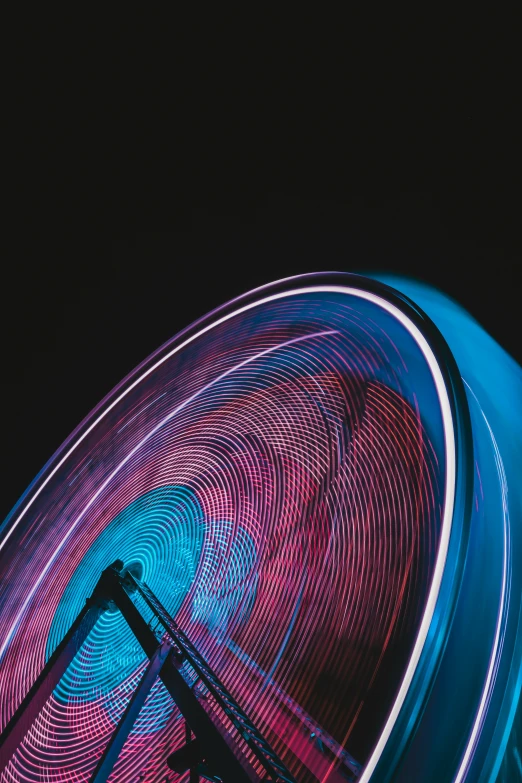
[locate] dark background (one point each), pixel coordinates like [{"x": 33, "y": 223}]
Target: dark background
[{"x": 184, "y": 193}]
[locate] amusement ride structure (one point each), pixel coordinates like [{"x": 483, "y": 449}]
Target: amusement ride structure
[{"x": 285, "y": 548}]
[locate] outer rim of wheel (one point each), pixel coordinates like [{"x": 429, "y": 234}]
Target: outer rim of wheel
[{"x": 430, "y": 642}]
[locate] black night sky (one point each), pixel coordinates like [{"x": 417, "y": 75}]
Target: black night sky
[{"x": 242, "y": 173}]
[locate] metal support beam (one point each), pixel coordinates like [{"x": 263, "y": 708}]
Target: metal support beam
[
  {"x": 257, "y": 744},
  {"x": 214, "y": 754},
  {"x": 123, "y": 729},
  {"x": 220, "y": 750},
  {"x": 49, "y": 677},
  {"x": 194, "y": 772}
]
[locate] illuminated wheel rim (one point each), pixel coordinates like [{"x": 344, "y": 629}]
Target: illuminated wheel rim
[{"x": 287, "y": 472}]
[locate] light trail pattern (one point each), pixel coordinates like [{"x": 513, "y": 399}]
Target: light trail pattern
[
  {"x": 475, "y": 700},
  {"x": 279, "y": 481}
]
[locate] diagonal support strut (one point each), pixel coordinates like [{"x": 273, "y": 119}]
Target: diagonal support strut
[
  {"x": 53, "y": 671},
  {"x": 127, "y": 720}
]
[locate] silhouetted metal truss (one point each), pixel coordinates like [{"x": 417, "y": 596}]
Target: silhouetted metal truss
[{"x": 227, "y": 745}]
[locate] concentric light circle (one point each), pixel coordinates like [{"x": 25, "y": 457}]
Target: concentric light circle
[{"x": 284, "y": 475}]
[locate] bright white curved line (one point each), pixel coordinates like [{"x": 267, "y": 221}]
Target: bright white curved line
[
  {"x": 133, "y": 451},
  {"x": 490, "y": 678},
  {"x": 449, "y": 490}
]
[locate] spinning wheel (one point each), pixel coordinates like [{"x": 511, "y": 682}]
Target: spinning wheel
[{"x": 293, "y": 478}]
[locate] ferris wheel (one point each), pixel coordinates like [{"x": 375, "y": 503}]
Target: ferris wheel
[{"x": 315, "y": 491}]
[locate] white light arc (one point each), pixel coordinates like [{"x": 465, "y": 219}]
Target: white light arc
[{"x": 449, "y": 491}]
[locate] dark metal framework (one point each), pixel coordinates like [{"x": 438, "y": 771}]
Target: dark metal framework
[{"x": 227, "y": 746}]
